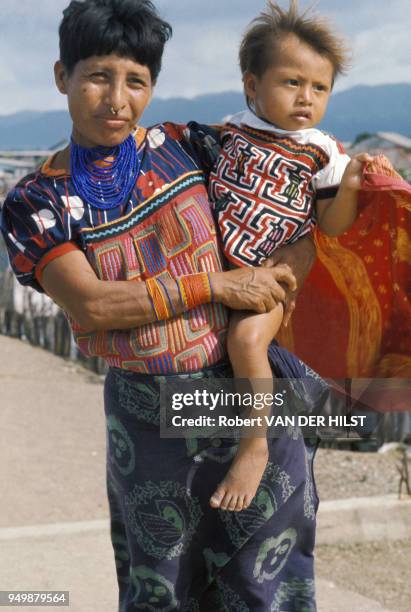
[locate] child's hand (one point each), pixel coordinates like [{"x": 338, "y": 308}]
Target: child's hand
[{"x": 351, "y": 179}]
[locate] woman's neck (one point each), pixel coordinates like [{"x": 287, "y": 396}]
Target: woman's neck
[{"x": 61, "y": 160}]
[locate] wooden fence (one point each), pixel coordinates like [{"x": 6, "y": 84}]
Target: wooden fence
[{"x": 34, "y": 317}]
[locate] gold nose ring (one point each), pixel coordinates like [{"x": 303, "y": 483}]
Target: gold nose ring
[{"x": 113, "y": 111}]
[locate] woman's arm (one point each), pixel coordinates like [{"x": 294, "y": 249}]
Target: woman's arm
[
  {"x": 98, "y": 305},
  {"x": 300, "y": 257}
]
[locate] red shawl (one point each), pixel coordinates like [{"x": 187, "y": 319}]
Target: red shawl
[{"x": 353, "y": 316}]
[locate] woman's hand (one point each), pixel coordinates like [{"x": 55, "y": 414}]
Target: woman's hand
[
  {"x": 300, "y": 257},
  {"x": 255, "y": 289}
]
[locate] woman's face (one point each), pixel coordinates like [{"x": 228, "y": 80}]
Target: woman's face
[{"x": 96, "y": 86}]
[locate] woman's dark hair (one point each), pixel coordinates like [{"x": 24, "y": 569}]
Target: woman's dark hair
[{"x": 130, "y": 28}]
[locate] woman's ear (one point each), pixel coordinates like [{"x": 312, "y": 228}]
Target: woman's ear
[
  {"x": 153, "y": 84},
  {"x": 60, "y": 76}
]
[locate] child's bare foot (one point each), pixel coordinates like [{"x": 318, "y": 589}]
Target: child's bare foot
[{"x": 239, "y": 487}]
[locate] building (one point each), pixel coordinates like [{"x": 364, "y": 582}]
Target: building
[
  {"x": 394, "y": 146},
  {"x": 15, "y": 164}
]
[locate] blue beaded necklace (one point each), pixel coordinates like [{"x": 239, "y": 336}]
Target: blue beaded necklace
[{"x": 105, "y": 184}]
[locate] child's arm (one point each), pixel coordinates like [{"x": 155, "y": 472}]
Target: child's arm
[{"x": 336, "y": 215}]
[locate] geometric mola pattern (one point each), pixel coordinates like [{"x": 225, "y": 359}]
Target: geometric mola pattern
[
  {"x": 262, "y": 192},
  {"x": 176, "y": 239}
]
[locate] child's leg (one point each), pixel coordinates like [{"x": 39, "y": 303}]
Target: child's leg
[{"x": 248, "y": 340}]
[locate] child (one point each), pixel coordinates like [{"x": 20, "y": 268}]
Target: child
[{"x": 275, "y": 173}]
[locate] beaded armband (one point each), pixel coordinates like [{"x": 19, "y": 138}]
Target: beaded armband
[
  {"x": 194, "y": 290},
  {"x": 160, "y": 300}
]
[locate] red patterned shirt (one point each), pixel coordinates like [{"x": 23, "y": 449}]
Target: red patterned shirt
[{"x": 164, "y": 230}]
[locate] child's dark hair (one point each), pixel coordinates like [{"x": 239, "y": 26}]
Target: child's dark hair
[
  {"x": 130, "y": 28},
  {"x": 257, "y": 51}
]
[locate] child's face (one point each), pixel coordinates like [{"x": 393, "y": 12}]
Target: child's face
[{"x": 293, "y": 93}]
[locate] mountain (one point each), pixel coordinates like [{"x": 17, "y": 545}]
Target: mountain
[
  {"x": 379, "y": 108},
  {"x": 34, "y": 129}
]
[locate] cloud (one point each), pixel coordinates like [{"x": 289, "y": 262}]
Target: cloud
[
  {"x": 379, "y": 38},
  {"x": 28, "y": 48},
  {"x": 381, "y": 55},
  {"x": 202, "y": 56},
  {"x": 7, "y": 76},
  {"x": 209, "y": 65}
]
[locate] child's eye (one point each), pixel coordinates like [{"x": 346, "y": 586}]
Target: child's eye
[
  {"x": 320, "y": 87},
  {"x": 292, "y": 82}
]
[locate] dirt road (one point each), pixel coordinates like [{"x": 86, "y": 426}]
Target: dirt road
[{"x": 53, "y": 515}]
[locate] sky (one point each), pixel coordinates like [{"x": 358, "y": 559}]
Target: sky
[{"x": 202, "y": 55}]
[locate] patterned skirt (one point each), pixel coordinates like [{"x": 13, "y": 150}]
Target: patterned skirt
[{"x": 172, "y": 550}]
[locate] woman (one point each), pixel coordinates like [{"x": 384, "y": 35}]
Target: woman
[{"x": 123, "y": 204}]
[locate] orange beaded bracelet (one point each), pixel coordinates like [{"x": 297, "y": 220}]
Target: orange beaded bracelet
[
  {"x": 194, "y": 289},
  {"x": 158, "y": 300}
]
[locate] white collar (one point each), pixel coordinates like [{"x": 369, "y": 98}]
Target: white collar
[{"x": 251, "y": 120}]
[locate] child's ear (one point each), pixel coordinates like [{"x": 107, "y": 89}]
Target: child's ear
[{"x": 250, "y": 85}]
